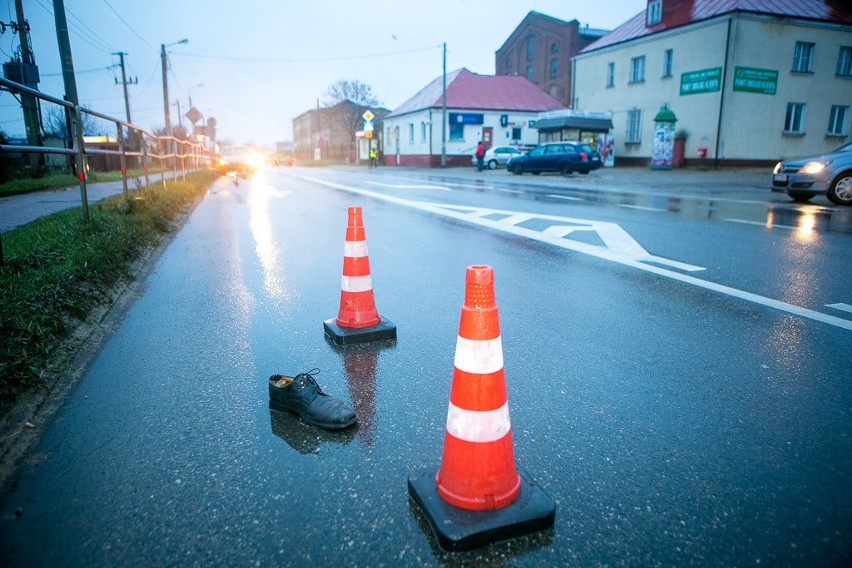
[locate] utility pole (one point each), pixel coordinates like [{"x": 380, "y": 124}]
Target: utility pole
[
  {"x": 164, "y": 60},
  {"x": 444, "y": 113},
  {"x": 125, "y": 82},
  {"x": 29, "y": 78},
  {"x": 65, "y": 52}
]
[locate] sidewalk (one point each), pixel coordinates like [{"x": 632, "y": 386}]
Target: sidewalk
[{"x": 17, "y": 210}]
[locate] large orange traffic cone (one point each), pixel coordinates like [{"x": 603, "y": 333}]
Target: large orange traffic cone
[
  {"x": 357, "y": 321},
  {"x": 478, "y": 466},
  {"x": 477, "y": 496}
]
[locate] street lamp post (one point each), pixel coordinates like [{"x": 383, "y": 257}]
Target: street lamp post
[{"x": 164, "y": 62}]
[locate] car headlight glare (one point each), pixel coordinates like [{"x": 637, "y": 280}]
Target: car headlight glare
[
  {"x": 813, "y": 168},
  {"x": 777, "y": 168}
]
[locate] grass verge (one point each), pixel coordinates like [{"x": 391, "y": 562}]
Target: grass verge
[
  {"x": 58, "y": 269},
  {"x": 28, "y": 185}
]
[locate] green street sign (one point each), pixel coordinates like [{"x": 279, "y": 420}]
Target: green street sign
[
  {"x": 703, "y": 81},
  {"x": 753, "y": 80}
]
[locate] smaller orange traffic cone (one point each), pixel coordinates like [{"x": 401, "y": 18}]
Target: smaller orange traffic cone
[
  {"x": 477, "y": 495},
  {"x": 357, "y": 321}
]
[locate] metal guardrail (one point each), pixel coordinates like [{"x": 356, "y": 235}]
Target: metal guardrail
[{"x": 132, "y": 141}]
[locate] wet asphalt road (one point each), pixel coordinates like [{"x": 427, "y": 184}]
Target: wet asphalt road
[{"x": 672, "y": 423}]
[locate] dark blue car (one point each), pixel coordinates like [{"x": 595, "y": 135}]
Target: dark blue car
[{"x": 562, "y": 157}]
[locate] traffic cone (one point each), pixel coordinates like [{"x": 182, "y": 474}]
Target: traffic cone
[
  {"x": 357, "y": 321},
  {"x": 477, "y": 496}
]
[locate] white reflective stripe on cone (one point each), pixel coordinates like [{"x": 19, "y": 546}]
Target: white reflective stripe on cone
[
  {"x": 478, "y": 426},
  {"x": 356, "y": 283},
  {"x": 479, "y": 356},
  {"x": 355, "y": 249}
]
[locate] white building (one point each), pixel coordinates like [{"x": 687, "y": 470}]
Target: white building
[
  {"x": 750, "y": 81},
  {"x": 499, "y": 110}
]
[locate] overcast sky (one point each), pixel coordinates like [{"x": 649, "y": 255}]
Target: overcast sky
[{"x": 264, "y": 62}]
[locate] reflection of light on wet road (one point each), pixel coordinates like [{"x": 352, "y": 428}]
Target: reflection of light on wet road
[
  {"x": 805, "y": 231},
  {"x": 264, "y": 238}
]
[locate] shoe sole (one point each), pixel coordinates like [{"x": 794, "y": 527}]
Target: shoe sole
[{"x": 284, "y": 408}]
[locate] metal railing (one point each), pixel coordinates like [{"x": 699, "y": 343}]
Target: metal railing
[{"x": 133, "y": 141}]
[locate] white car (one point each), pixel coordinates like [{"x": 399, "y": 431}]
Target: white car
[{"x": 497, "y": 156}]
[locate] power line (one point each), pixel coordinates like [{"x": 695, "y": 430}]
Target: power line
[
  {"x": 92, "y": 40},
  {"x": 306, "y": 60},
  {"x": 129, "y": 27}
]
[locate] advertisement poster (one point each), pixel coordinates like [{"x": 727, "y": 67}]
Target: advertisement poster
[
  {"x": 663, "y": 145},
  {"x": 606, "y": 148}
]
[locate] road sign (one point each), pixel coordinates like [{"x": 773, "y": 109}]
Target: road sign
[
  {"x": 194, "y": 115},
  {"x": 368, "y": 116}
]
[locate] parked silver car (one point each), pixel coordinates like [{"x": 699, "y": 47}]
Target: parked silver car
[
  {"x": 497, "y": 156},
  {"x": 828, "y": 174}
]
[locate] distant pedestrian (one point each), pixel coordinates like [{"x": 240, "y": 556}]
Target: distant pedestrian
[
  {"x": 373, "y": 156},
  {"x": 480, "y": 156}
]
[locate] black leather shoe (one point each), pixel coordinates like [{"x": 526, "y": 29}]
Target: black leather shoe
[{"x": 301, "y": 394}]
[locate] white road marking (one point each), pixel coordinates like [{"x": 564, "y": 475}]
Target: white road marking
[
  {"x": 504, "y": 190},
  {"x": 761, "y": 224},
  {"x": 641, "y": 208},
  {"x": 619, "y": 247},
  {"x": 567, "y": 197},
  {"x": 841, "y": 307},
  {"x": 409, "y": 186}
]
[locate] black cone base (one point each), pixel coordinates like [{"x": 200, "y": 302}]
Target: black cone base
[
  {"x": 459, "y": 529},
  {"x": 349, "y": 335}
]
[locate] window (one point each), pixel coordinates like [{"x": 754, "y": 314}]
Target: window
[
  {"x": 837, "y": 120},
  {"x": 668, "y": 58},
  {"x": 803, "y": 57},
  {"x": 516, "y": 133},
  {"x": 610, "y": 74},
  {"x": 794, "y": 122},
  {"x": 844, "y": 61},
  {"x": 554, "y": 68},
  {"x": 456, "y": 131},
  {"x": 529, "y": 73},
  {"x": 530, "y": 48},
  {"x": 637, "y": 69},
  {"x": 634, "y": 126},
  {"x": 554, "y": 47},
  {"x": 655, "y": 12},
  {"x": 411, "y": 132},
  {"x": 508, "y": 65},
  {"x": 423, "y": 131}
]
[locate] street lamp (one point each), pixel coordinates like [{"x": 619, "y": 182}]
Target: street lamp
[{"x": 163, "y": 60}]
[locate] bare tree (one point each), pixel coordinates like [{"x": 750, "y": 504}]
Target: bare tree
[
  {"x": 55, "y": 124},
  {"x": 351, "y": 90}
]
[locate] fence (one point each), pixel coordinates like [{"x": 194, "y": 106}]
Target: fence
[{"x": 134, "y": 144}]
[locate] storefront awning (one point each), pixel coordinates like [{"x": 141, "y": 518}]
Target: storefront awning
[{"x": 575, "y": 122}]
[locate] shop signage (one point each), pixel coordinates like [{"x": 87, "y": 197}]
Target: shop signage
[
  {"x": 702, "y": 81},
  {"x": 466, "y": 118},
  {"x": 752, "y": 80}
]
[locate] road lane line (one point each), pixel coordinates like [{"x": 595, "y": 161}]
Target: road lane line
[
  {"x": 409, "y": 186},
  {"x": 617, "y": 256},
  {"x": 761, "y": 224},
  {"x": 841, "y": 307},
  {"x": 566, "y": 197},
  {"x": 642, "y": 208},
  {"x": 504, "y": 190}
]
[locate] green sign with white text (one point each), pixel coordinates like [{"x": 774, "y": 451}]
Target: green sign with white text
[
  {"x": 752, "y": 80},
  {"x": 703, "y": 81}
]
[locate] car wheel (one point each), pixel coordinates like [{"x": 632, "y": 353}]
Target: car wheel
[
  {"x": 565, "y": 169},
  {"x": 492, "y": 164},
  {"x": 517, "y": 169},
  {"x": 800, "y": 196},
  {"x": 536, "y": 173},
  {"x": 840, "y": 192},
  {"x": 584, "y": 172}
]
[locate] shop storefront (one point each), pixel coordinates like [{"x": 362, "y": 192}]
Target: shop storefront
[{"x": 594, "y": 128}]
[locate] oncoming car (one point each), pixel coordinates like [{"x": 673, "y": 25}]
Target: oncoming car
[
  {"x": 828, "y": 174},
  {"x": 497, "y": 156},
  {"x": 563, "y": 157},
  {"x": 243, "y": 160}
]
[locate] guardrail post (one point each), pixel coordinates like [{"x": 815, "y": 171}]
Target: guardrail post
[
  {"x": 123, "y": 159},
  {"x": 77, "y": 125},
  {"x": 145, "y": 160},
  {"x": 162, "y": 166}
]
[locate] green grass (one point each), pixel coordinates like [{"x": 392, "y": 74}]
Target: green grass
[
  {"x": 57, "y": 269},
  {"x": 28, "y": 185}
]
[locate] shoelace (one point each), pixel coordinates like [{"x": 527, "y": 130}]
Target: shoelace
[{"x": 308, "y": 377}]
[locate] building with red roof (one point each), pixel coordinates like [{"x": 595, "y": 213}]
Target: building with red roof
[
  {"x": 500, "y": 110},
  {"x": 749, "y": 81}
]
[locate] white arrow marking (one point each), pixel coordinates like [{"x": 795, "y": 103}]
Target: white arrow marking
[{"x": 625, "y": 252}]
